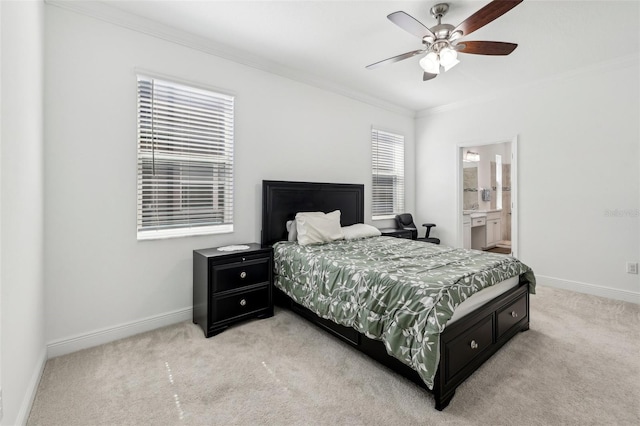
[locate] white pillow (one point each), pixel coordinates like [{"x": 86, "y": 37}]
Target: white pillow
[
  {"x": 318, "y": 227},
  {"x": 360, "y": 230},
  {"x": 292, "y": 230}
]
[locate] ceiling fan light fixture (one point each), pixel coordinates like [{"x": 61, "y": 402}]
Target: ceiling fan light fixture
[
  {"x": 451, "y": 65},
  {"x": 448, "y": 57},
  {"x": 430, "y": 63}
]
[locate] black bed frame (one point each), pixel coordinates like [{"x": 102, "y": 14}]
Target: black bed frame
[{"x": 464, "y": 345}]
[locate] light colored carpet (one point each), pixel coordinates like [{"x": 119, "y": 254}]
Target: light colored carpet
[{"x": 579, "y": 364}]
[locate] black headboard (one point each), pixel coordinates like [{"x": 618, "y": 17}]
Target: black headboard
[{"x": 281, "y": 201}]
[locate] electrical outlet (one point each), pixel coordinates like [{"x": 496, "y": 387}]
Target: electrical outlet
[{"x": 632, "y": 267}]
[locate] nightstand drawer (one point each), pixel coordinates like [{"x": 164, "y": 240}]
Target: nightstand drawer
[
  {"x": 239, "y": 274},
  {"x": 468, "y": 345},
  {"x": 512, "y": 314},
  {"x": 237, "y": 305}
]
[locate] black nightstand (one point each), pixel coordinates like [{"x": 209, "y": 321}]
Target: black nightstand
[
  {"x": 231, "y": 286},
  {"x": 398, "y": 233}
]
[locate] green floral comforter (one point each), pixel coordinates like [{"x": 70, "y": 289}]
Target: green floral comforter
[{"x": 399, "y": 291}]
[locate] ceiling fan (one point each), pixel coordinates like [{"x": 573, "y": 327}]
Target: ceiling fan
[{"x": 442, "y": 41}]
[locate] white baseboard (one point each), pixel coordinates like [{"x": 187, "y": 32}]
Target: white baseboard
[
  {"x": 30, "y": 394},
  {"x": 106, "y": 335},
  {"x": 595, "y": 290}
]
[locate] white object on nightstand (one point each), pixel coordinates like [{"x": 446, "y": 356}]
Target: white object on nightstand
[{"x": 233, "y": 248}]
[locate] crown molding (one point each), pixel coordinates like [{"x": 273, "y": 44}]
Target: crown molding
[
  {"x": 102, "y": 11},
  {"x": 592, "y": 69}
]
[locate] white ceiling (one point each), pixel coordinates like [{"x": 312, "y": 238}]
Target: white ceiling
[{"x": 329, "y": 43}]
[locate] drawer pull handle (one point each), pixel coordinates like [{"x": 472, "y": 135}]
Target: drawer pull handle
[
  {"x": 514, "y": 314},
  {"x": 243, "y": 302},
  {"x": 474, "y": 345},
  {"x": 243, "y": 274}
]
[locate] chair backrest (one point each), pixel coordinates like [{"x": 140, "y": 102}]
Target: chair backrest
[{"x": 405, "y": 220}]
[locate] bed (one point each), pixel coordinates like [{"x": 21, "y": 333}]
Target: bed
[{"x": 442, "y": 336}]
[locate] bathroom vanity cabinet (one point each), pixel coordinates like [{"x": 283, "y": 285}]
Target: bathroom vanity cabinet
[
  {"x": 466, "y": 231},
  {"x": 493, "y": 229},
  {"x": 482, "y": 229}
]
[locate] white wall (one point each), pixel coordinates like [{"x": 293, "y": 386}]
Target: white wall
[
  {"x": 97, "y": 275},
  {"x": 22, "y": 322},
  {"x": 578, "y": 177}
]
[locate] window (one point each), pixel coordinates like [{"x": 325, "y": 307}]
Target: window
[
  {"x": 387, "y": 153},
  {"x": 185, "y": 160}
]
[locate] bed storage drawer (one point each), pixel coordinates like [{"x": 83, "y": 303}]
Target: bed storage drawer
[
  {"x": 347, "y": 334},
  {"x": 512, "y": 314},
  {"x": 468, "y": 345}
]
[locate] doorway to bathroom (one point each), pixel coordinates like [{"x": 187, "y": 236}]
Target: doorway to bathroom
[{"x": 487, "y": 196}]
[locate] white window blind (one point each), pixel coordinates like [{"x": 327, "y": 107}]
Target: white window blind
[
  {"x": 388, "y": 173},
  {"x": 185, "y": 160}
]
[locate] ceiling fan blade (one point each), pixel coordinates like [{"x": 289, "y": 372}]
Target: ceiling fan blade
[
  {"x": 395, "y": 59},
  {"x": 428, "y": 76},
  {"x": 482, "y": 17},
  {"x": 487, "y": 47},
  {"x": 410, "y": 24}
]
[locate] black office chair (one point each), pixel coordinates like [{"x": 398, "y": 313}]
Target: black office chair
[{"x": 405, "y": 221}]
